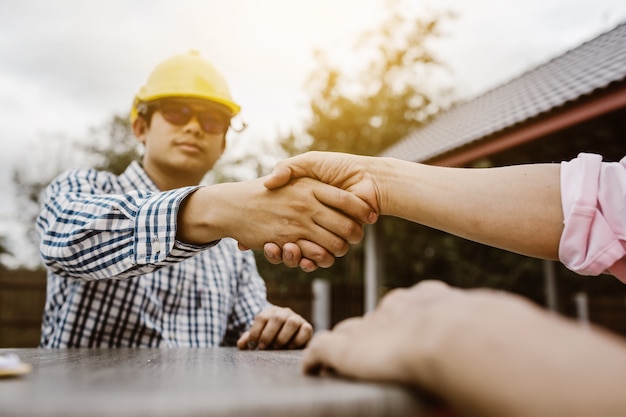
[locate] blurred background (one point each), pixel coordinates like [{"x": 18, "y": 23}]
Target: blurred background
[{"x": 352, "y": 75}]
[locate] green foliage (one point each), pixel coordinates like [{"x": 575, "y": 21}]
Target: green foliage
[
  {"x": 3, "y": 246},
  {"x": 110, "y": 147},
  {"x": 367, "y": 110},
  {"x": 254, "y": 162},
  {"x": 418, "y": 252},
  {"x": 115, "y": 147}
]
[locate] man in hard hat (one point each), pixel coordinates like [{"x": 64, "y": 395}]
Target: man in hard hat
[{"x": 150, "y": 258}]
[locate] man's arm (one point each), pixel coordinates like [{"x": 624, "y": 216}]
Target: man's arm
[
  {"x": 253, "y": 215},
  {"x": 516, "y": 208},
  {"x": 486, "y": 353},
  {"x": 89, "y": 233}
]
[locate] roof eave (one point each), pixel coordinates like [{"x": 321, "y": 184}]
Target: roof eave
[{"x": 578, "y": 112}]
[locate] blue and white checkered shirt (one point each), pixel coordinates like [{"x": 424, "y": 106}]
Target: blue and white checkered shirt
[{"x": 117, "y": 276}]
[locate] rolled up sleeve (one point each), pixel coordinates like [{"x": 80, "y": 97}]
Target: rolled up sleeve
[
  {"x": 593, "y": 195},
  {"x": 88, "y": 233}
]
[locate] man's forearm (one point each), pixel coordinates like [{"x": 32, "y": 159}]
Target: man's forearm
[
  {"x": 515, "y": 208},
  {"x": 201, "y": 219},
  {"x": 254, "y": 215},
  {"x": 520, "y": 361}
]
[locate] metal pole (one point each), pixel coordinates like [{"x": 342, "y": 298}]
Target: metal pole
[
  {"x": 550, "y": 286},
  {"x": 371, "y": 269},
  {"x": 582, "y": 308},
  {"x": 321, "y": 304}
]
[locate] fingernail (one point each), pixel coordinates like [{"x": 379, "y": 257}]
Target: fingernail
[
  {"x": 269, "y": 255},
  {"x": 288, "y": 255},
  {"x": 372, "y": 217},
  {"x": 261, "y": 346},
  {"x": 251, "y": 345}
]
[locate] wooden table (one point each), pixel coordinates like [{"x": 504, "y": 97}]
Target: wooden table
[{"x": 190, "y": 382}]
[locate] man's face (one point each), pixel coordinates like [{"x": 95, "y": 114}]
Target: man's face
[{"x": 185, "y": 137}]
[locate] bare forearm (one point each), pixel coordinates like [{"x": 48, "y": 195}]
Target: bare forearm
[
  {"x": 238, "y": 210},
  {"x": 516, "y": 208},
  {"x": 254, "y": 215},
  {"x": 199, "y": 219},
  {"x": 486, "y": 353},
  {"x": 520, "y": 362}
]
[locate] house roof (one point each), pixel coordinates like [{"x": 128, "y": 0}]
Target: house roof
[{"x": 581, "y": 71}]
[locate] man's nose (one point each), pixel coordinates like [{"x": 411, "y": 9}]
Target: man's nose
[{"x": 193, "y": 126}]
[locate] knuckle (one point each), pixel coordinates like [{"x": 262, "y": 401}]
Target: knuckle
[
  {"x": 264, "y": 316},
  {"x": 306, "y": 329},
  {"x": 291, "y": 263},
  {"x": 308, "y": 265},
  {"x": 392, "y": 296},
  {"x": 346, "y": 198},
  {"x": 317, "y": 254},
  {"x": 326, "y": 262},
  {"x": 339, "y": 247},
  {"x": 354, "y": 231},
  {"x": 294, "y": 320}
]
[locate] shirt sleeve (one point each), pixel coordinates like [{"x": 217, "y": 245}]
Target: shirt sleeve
[
  {"x": 593, "y": 195},
  {"x": 88, "y": 233}
]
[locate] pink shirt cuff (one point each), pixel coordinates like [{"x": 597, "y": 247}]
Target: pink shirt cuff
[{"x": 593, "y": 197}]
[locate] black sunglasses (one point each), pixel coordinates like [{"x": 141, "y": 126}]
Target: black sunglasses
[{"x": 179, "y": 114}]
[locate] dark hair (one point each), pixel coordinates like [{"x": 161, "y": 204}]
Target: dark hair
[{"x": 145, "y": 111}]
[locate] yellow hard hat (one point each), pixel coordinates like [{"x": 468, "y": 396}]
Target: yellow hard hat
[{"x": 185, "y": 75}]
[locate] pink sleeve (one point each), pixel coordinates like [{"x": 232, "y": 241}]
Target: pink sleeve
[{"x": 593, "y": 196}]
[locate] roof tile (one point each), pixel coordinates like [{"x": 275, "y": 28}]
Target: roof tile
[{"x": 587, "y": 68}]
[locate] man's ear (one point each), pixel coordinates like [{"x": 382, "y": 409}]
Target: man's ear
[{"x": 140, "y": 128}]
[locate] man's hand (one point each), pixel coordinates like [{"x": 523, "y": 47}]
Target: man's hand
[
  {"x": 345, "y": 171},
  {"x": 485, "y": 352},
  {"x": 276, "y": 328},
  {"x": 254, "y": 215},
  {"x": 386, "y": 345}
]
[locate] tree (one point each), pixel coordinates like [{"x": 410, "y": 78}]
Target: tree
[
  {"x": 3, "y": 246},
  {"x": 109, "y": 147},
  {"x": 115, "y": 146},
  {"x": 364, "y": 111}
]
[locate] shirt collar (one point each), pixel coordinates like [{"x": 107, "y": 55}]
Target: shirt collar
[{"x": 136, "y": 175}]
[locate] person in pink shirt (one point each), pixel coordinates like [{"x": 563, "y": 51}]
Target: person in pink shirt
[{"x": 484, "y": 352}]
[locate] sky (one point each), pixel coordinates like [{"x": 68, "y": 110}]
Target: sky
[{"x": 69, "y": 65}]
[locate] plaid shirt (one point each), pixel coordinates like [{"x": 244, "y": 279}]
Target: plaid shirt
[{"x": 117, "y": 276}]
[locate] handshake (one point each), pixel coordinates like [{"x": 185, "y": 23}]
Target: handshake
[
  {"x": 313, "y": 206},
  {"x": 343, "y": 198}
]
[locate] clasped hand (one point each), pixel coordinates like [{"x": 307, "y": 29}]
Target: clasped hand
[
  {"x": 320, "y": 219},
  {"x": 344, "y": 171}
]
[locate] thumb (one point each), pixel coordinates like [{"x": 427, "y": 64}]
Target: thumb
[
  {"x": 242, "y": 342},
  {"x": 280, "y": 176}
]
